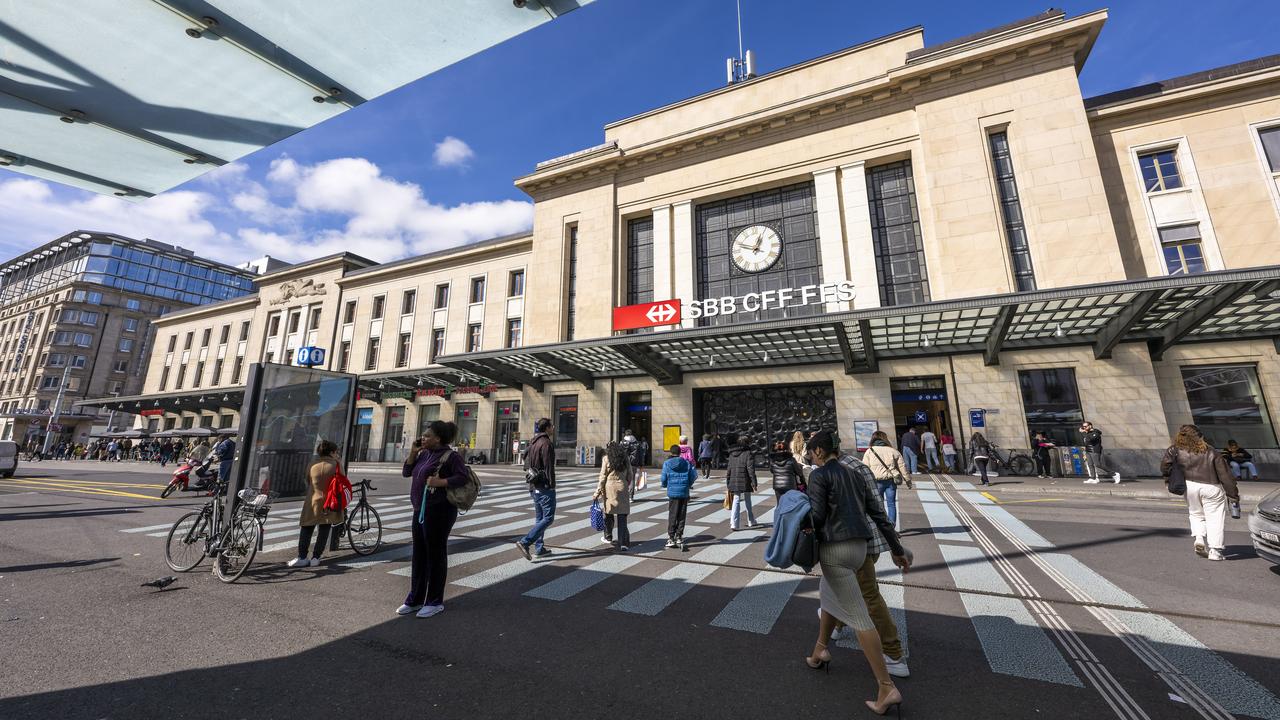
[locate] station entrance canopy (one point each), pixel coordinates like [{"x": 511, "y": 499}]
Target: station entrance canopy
[
  {"x": 134, "y": 98},
  {"x": 193, "y": 401},
  {"x": 1161, "y": 312}
]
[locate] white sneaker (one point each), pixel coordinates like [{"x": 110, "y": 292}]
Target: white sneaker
[
  {"x": 1091, "y": 481},
  {"x": 1116, "y": 478},
  {"x": 408, "y": 609},
  {"x": 897, "y": 668},
  {"x": 1200, "y": 548},
  {"x": 315, "y": 562},
  {"x": 430, "y": 610},
  {"x": 605, "y": 539},
  {"x": 299, "y": 562},
  {"x": 1215, "y": 554}
]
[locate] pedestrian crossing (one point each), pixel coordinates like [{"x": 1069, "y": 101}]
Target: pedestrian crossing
[{"x": 1019, "y": 635}]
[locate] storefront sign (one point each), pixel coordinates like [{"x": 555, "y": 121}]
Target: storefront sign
[
  {"x": 631, "y": 317},
  {"x": 370, "y": 395},
  {"x": 907, "y": 396},
  {"x": 21, "y": 349},
  {"x": 772, "y": 300},
  {"x": 31, "y": 411},
  {"x": 433, "y": 392},
  {"x": 397, "y": 395},
  {"x": 477, "y": 389},
  {"x": 151, "y": 411},
  {"x": 364, "y": 416},
  {"x": 977, "y": 418}
]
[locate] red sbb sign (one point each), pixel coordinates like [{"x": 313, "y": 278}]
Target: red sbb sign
[{"x": 654, "y": 314}]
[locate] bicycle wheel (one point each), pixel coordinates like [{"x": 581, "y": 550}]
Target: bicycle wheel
[
  {"x": 1021, "y": 465},
  {"x": 239, "y": 546},
  {"x": 184, "y": 548},
  {"x": 364, "y": 529}
]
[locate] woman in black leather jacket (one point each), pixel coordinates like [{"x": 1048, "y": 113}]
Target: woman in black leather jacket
[
  {"x": 787, "y": 474},
  {"x": 839, "y": 507}
]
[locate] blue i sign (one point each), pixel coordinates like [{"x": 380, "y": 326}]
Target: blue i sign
[
  {"x": 977, "y": 418},
  {"x": 310, "y": 356}
]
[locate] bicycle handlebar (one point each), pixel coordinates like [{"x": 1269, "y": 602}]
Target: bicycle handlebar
[{"x": 366, "y": 482}]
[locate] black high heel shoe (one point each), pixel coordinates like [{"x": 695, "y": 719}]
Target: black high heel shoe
[
  {"x": 892, "y": 702},
  {"x": 821, "y": 662}
]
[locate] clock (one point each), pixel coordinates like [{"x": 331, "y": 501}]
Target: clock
[{"x": 756, "y": 248}]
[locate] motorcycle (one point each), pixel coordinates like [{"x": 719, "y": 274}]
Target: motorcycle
[{"x": 202, "y": 471}]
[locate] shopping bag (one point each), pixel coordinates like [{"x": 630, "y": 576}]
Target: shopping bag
[
  {"x": 643, "y": 481},
  {"x": 728, "y": 499},
  {"x": 597, "y": 517}
]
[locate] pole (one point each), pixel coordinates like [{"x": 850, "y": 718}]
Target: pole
[{"x": 57, "y": 409}]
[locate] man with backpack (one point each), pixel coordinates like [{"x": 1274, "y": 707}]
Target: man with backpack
[
  {"x": 678, "y": 475},
  {"x": 540, "y": 474}
]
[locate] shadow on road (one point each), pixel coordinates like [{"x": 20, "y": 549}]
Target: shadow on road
[
  {"x": 56, "y": 565},
  {"x": 64, "y": 514}
]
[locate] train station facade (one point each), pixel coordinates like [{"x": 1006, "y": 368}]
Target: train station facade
[{"x": 892, "y": 234}]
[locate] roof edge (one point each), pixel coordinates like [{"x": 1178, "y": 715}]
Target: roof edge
[{"x": 1183, "y": 82}]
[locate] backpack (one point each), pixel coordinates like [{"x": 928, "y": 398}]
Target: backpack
[
  {"x": 339, "y": 493},
  {"x": 463, "y": 497}
]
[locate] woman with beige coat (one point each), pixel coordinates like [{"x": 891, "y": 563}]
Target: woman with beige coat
[
  {"x": 616, "y": 480},
  {"x": 890, "y": 469},
  {"x": 322, "y": 471}
]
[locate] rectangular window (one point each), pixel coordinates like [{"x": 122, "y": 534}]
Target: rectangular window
[
  {"x": 89, "y": 318},
  {"x": 314, "y": 322},
  {"x": 69, "y": 316},
  {"x": 49, "y": 382},
  {"x": 1182, "y": 250},
  {"x": 173, "y": 342},
  {"x": 473, "y": 337},
  {"x": 132, "y": 305},
  {"x": 273, "y": 325},
  {"x": 565, "y": 419},
  {"x": 402, "y": 350},
  {"x": 126, "y": 344},
  {"x": 224, "y": 421},
  {"x": 437, "y": 344},
  {"x": 442, "y": 296},
  {"x": 1160, "y": 170},
  {"x": 130, "y": 325},
  {"x": 186, "y": 344},
  {"x": 895, "y": 224},
  {"x": 408, "y": 302},
  {"x": 205, "y": 336},
  {"x": 271, "y": 356},
  {"x": 288, "y": 357},
  {"x": 1270, "y": 138},
  {"x": 514, "y": 329},
  {"x": 477, "y": 290},
  {"x": 1226, "y": 404},
  {"x": 295, "y": 318},
  {"x": 57, "y": 360},
  {"x": 1051, "y": 403},
  {"x": 182, "y": 376},
  {"x": 224, "y": 335},
  {"x": 217, "y": 373},
  {"x": 640, "y": 261},
  {"x": 244, "y": 331},
  {"x": 120, "y": 366},
  {"x": 344, "y": 356},
  {"x": 378, "y": 304},
  {"x": 84, "y": 339},
  {"x": 1015, "y": 229},
  {"x": 164, "y": 377},
  {"x": 515, "y": 283},
  {"x": 199, "y": 376},
  {"x": 78, "y": 361},
  {"x": 349, "y": 312},
  {"x": 237, "y": 370},
  {"x": 571, "y": 296},
  {"x": 371, "y": 356}
]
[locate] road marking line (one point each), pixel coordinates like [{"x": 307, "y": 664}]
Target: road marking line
[
  {"x": 566, "y": 586},
  {"x": 656, "y": 595},
  {"x": 990, "y": 497},
  {"x": 87, "y": 490},
  {"x": 758, "y": 605}
]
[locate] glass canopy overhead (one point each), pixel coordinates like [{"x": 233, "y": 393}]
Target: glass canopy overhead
[{"x": 133, "y": 98}]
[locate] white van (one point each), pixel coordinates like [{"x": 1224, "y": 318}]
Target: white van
[{"x": 8, "y": 457}]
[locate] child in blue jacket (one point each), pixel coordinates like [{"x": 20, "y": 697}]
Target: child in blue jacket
[{"x": 678, "y": 475}]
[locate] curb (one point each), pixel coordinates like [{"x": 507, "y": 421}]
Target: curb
[{"x": 1246, "y": 494}]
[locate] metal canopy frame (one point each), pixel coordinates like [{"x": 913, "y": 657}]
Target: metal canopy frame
[
  {"x": 1215, "y": 306},
  {"x": 196, "y": 400}
]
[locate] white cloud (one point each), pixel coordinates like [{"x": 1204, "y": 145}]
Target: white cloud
[{"x": 452, "y": 152}]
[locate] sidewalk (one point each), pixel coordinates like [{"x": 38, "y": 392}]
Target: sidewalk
[{"x": 1250, "y": 492}]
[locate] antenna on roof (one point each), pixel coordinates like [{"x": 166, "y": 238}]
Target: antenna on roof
[{"x": 742, "y": 67}]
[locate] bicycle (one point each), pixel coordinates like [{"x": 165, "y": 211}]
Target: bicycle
[
  {"x": 1017, "y": 463},
  {"x": 232, "y": 543},
  {"x": 363, "y": 524}
]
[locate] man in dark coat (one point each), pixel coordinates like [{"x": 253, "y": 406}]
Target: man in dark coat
[{"x": 540, "y": 473}]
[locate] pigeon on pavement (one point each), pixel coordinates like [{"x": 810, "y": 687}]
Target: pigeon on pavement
[{"x": 160, "y": 583}]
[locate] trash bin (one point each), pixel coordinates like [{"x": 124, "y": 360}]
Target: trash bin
[{"x": 1067, "y": 461}]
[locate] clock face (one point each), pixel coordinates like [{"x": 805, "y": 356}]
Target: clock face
[{"x": 756, "y": 248}]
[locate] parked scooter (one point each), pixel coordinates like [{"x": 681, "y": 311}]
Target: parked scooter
[{"x": 202, "y": 472}]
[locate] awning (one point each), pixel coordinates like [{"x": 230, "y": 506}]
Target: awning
[
  {"x": 1162, "y": 312},
  {"x": 212, "y": 400},
  {"x": 134, "y": 98}
]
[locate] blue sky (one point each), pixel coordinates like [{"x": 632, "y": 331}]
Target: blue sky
[{"x": 431, "y": 165}]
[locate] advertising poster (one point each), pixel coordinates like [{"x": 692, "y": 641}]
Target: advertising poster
[{"x": 862, "y": 431}]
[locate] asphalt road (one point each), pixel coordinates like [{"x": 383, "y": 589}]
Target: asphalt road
[{"x": 1019, "y": 606}]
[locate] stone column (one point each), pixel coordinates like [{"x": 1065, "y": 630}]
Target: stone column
[
  {"x": 830, "y": 233},
  {"x": 663, "y": 252},
  {"x": 859, "y": 242},
  {"x": 684, "y": 257}
]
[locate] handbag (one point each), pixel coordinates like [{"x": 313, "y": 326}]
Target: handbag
[
  {"x": 805, "y": 553},
  {"x": 1177, "y": 481},
  {"x": 728, "y": 499},
  {"x": 893, "y": 472},
  {"x": 644, "y": 480},
  {"x": 339, "y": 493},
  {"x": 597, "y": 517}
]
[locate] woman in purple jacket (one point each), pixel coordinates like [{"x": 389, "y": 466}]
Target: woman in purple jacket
[{"x": 434, "y": 467}]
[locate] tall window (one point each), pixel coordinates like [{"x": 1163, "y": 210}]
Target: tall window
[
  {"x": 182, "y": 376},
  {"x": 515, "y": 283},
  {"x": 408, "y": 301},
  {"x": 224, "y": 335},
  {"x": 442, "y": 296},
  {"x": 379, "y": 303},
  {"x": 1270, "y": 138},
  {"x": 371, "y": 356},
  {"x": 244, "y": 331},
  {"x": 1052, "y": 403},
  {"x": 1226, "y": 404},
  {"x": 571, "y": 298},
  {"x": 173, "y": 342},
  {"x": 349, "y": 312},
  {"x": 126, "y": 345},
  {"x": 164, "y": 377},
  {"x": 237, "y": 370},
  {"x": 217, "y": 372},
  {"x": 514, "y": 326},
  {"x": 186, "y": 344},
  {"x": 477, "y": 290},
  {"x": 205, "y": 336},
  {"x": 1160, "y": 170},
  {"x": 130, "y": 325},
  {"x": 473, "y": 337},
  {"x": 314, "y": 322},
  {"x": 295, "y": 318},
  {"x": 640, "y": 261},
  {"x": 344, "y": 356},
  {"x": 895, "y": 224},
  {"x": 402, "y": 350},
  {"x": 1182, "y": 250},
  {"x": 437, "y": 344},
  {"x": 199, "y": 376},
  {"x": 565, "y": 416},
  {"x": 1011, "y": 211},
  {"x": 273, "y": 325}
]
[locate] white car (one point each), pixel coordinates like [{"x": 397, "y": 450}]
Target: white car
[{"x": 8, "y": 457}]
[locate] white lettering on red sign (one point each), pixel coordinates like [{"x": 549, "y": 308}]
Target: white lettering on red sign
[{"x": 842, "y": 291}]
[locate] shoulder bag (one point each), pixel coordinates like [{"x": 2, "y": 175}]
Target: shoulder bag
[
  {"x": 893, "y": 472},
  {"x": 1177, "y": 480}
]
